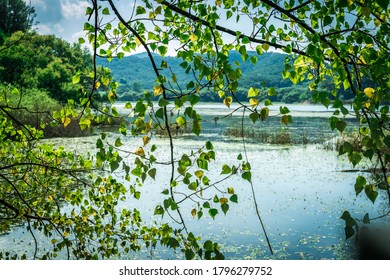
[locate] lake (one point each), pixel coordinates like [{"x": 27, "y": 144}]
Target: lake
[{"x": 299, "y": 187}]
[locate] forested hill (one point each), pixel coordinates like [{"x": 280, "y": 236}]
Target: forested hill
[{"x": 135, "y": 75}]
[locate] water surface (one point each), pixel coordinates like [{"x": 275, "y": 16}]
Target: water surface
[{"x": 299, "y": 187}]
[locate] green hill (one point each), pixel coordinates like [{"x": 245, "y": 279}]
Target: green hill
[{"x": 135, "y": 75}]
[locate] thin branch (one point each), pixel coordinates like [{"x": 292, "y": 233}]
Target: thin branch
[
  {"x": 252, "y": 187},
  {"x": 300, "y": 6},
  {"x": 156, "y": 70},
  {"x": 227, "y": 30},
  {"x": 35, "y": 239}
]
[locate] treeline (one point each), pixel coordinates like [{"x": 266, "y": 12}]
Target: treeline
[
  {"x": 135, "y": 75},
  {"x": 36, "y": 74}
]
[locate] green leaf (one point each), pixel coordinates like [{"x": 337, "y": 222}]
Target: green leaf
[
  {"x": 272, "y": 91},
  {"x": 345, "y": 216},
  {"x": 333, "y": 122},
  {"x": 286, "y": 119},
  {"x": 383, "y": 3},
  {"x": 341, "y": 125},
  {"x": 327, "y": 20},
  {"x": 162, "y": 102},
  {"x": 209, "y": 145},
  {"x": 140, "y": 10},
  {"x": 264, "y": 113},
  {"x": 114, "y": 165},
  {"x": 253, "y": 92},
  {"x": 162, "y": 50},
  {"x": 387, "y": 141},
  {"x": 360, "y": 184},
  {"x": 99, "y": 144},
  {"x": 206, "y": 205},
  {"x": 173, "y": 243},
  {"x": 284, "y": 110},
  {"x": 354, "y": 158},
  {"x": 76, "y": 79},
  {"x": 202, "y": 163},
  {"x": 152, "y": 173},
  {"x": 84, "y": 122},
  {"x": 234, "y": 198},
  {"x": 371, "y": 193},
  {"x": 181, "y": 121},
  {"x": 118, "y": 142},
  {"x": 128, "y": 105},
  {"x": 189, "y": 254},
  {"x": 226, "y": 169},
  {"x": 208, "y": 245},
  {"x": 254, "y": 117},
  {"x": 213, "y": 212},
  {"x": 174, "y": 206},
  {"x": 247, "y": 176},
  {"x": 165, "y": 192},
  {"x": 106, "y": 11},
  {"x": 265, "y": 46},
  {"x": 205, "y": 180},
  {"x": 254, "y": 59},
  {"x": 194, "y": 99},
  {"x": 225, "y": 208},
  {"x": 366, "y": 11},
  {"x": 245, "y": 40},
  {"x": 159, "y": 210},
  {"x": 196, "y": 127},
  {"x": 160, "y": 113}
]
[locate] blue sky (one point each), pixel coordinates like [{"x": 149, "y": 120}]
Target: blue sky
[{"x": 64, "y": 18}]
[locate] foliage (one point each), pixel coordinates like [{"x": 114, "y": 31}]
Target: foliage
[
  {"x": 33, "y": 108},
  {"x": 44, "y": 62},
  {"x": 265, "y": 73},
  {"x": 15, "y": 15},
  {"x": 345, "y": 42}
]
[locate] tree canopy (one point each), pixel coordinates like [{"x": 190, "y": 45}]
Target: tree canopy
[
  {"x": 15, "y": 15},
  {"x": 341, "y": 42},
  {"x": 29, "y": 60}
]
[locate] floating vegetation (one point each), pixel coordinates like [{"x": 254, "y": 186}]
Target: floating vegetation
[{"x": 283, "y": 136}]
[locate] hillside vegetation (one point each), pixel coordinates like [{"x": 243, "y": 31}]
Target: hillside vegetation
[{"x": 135, "y": 75}]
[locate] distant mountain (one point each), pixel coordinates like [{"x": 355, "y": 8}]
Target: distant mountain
[{"x": 135, "y": 74}]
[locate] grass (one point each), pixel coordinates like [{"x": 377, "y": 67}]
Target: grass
[
  {"x": 337, "y": 142},
  {"x": 280, "y": 137}
]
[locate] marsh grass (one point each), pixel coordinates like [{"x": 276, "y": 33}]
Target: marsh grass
[{"x": 280, "y": 137}]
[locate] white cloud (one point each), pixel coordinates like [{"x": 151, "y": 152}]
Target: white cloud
[
  {"x": 58, "y": 27},
  {"x": 43, "y": 29},
  {"x": 36, "y": 3},
  {"x": 73, "y": 10},
  {"x": 77, "y": 35}
]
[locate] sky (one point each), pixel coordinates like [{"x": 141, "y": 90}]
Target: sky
[
  {"x": 63, "y": 18},
  {"x": 66, "y": 18}
]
